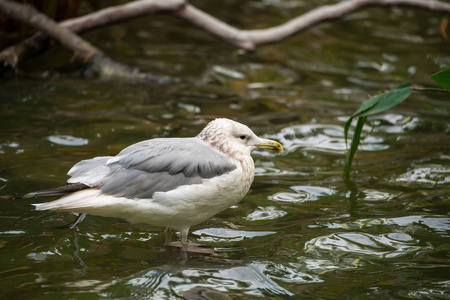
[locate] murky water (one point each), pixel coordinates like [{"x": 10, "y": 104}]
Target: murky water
[{"x": 301, "y": 231}]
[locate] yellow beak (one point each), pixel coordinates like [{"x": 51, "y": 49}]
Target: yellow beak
[{"x": 270, "y": 144}]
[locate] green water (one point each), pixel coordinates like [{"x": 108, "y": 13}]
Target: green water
[{"x": 301, "y": 231}]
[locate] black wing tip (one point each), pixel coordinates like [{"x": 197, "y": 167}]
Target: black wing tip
[
  {"x": 55, "y": 192},
  {"x": 25, "y": 196}
]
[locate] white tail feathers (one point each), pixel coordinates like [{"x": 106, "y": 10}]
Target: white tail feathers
[
  {"x": 74, "y": 202},
  {"x": 92, "y": 201}
]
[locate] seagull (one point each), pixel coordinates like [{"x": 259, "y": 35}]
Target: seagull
[{"x": 170, "y": 182}]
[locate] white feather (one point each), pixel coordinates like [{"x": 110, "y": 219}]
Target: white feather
[{"x": 179, "y": 209}]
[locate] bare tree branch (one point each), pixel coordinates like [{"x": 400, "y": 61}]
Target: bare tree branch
[
  {"x": 38, "y": 42},
  {"x": 29, "y": 15},
  {"x": 83, "y": 51},
  {"x": 249, "y": 39},
  {"x": 121, "y": 13},
  {"x": 246, "y": 39},
  {"x": 216, "y": 27}
]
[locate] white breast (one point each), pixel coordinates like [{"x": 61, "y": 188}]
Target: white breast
[{"x": 193, "y": 204}]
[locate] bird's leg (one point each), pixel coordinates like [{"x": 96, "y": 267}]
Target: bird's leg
[
  {"x": 184, "y": 241},
  {"x": 188, "y": 247},
  {"x": 192, "y": 247},
  {"x": 78, "y": 220},
  {"x": 184, "y": 244},
  {"x": 168, "y": 233},
  {"x": 180, "y": 244}
]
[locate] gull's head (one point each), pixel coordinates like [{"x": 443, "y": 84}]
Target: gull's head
[{"x": 230, "y": 137}]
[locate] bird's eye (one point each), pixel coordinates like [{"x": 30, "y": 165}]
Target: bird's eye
[{"x": 243, "y": 137}]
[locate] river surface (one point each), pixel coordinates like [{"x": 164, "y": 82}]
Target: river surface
[{"x": 302, "y": 232}]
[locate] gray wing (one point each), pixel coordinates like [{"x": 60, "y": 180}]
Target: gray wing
[{"x": 151, "y": 166}]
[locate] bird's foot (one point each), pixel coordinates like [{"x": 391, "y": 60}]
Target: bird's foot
[{"x": 193, "y": 248}]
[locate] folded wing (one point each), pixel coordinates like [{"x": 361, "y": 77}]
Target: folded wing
[{"x": 156, "y": 165}]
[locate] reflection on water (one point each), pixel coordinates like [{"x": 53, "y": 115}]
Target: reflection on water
[
  {"x": 192, "y": 282},
  {"x": 221, "y": 234},
  {"x": 328, "y": 138},
  {"x": 302, "y": 194},
  {"x": 266, "y": 213},
  {"x": 425, "y": 176},
  {"x": 301, "y": 231},
  {"x": 387, "y": 246},
  {"x": 67, "y": 140}
]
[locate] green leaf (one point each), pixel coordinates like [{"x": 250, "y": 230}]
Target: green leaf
[
  {"x": 442, "y": 78},
  {"x": 385, "y": 101},
  {"x": 374, "y": 105},
  {"x": 380, "y": 103},
  {"x": 355, "y": 143},
  {"x": 366, "y": 106}
]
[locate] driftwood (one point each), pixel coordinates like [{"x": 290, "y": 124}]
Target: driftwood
[
  {"x": 66, "y": 32},
  {"x": 249, "y": 39},
  {"x": 29, "y": 15}
]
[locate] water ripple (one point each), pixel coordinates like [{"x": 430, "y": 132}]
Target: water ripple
[
  {"x": 302, "y": 193},
  {"x": 223, "y": 234},
  {"x": 265, "y": 213},
  {"x": 322, "y": 137},
  {"x": 381, "y": 246},
  {"x": 67, "y": 140},
  {"x": 423, "y": 175},
  {"x": 196, "y": 281},
  {"x": 439, "y": 224}
]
